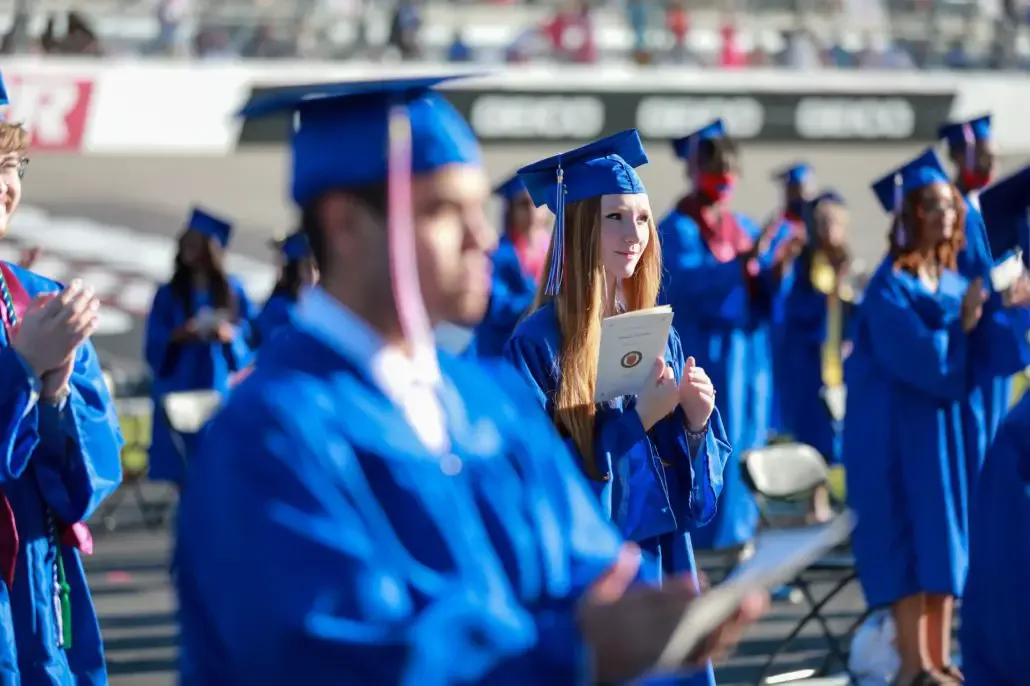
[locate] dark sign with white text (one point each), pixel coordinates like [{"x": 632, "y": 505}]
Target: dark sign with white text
[{"x": 524, "y": 116}]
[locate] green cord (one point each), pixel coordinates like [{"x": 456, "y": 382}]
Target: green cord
[{"x": 66, "y": 600}]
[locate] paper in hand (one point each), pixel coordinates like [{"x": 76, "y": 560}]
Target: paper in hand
[
  {"x": 1005, "y": 274},
  {"x": 780, "y": 555},
  {"x": 630, "y": 343}
]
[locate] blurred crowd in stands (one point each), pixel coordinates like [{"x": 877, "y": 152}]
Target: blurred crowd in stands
[{"x": 799, "y": 34}]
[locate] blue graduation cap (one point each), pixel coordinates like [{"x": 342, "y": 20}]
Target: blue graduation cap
[
  {"x": 604, "y": 167},
  {"x": 924, "y": 170},
  {"x": 295, "y": 246},
  {"x": 210, "y": 225},
  {"x": 4, "y": 100},
  {"x": 794, "y": 175},
  {"x": 1004, "y": 207},
  {"x": 687, "y": 146},
  {"x": 961, "y": 133},
  {"x": 341, "y": 131},
  {"x": 510, "y": 189}
]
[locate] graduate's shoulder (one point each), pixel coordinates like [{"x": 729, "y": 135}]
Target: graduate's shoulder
[
  {"x": 539, "y": 328},
  {"x": 674, "y": 220},
  {"x": 33, "y": 282},
  {"x": 494, "y": 388}
]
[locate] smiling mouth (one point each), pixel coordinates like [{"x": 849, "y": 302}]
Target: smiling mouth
[{"x": 627, "y": 254}]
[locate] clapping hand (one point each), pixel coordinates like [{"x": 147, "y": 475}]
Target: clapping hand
[
  {"x": 696, "y": 395},
  {"x": 973, "y": 304},
  {"x": 53, "y": 326}
]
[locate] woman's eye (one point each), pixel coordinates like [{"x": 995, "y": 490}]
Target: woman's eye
[
  {"x": 643, "y": 219},
  {"x": 617, "y": 216}
]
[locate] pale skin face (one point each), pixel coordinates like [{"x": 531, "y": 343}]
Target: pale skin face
[
  {"x": 940, "y": 214},
  {"x": 10, "y": 189},
  {"x": 625, "y": 232}
]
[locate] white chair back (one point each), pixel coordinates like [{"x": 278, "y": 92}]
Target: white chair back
[{"x": 188, "y": 411}]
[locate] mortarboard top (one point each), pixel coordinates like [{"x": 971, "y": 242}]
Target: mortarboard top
[
  {"x": 686, "y": 147},
  {"x": 511, "y": 188},
  {"x": 295, "y": 246},
  {"x": 341, "y": 131},
  {"x": 960, "y": 133},
  {"x": 210, "y": 225},
  {"x": 604, "y": 167},
  {"x": 4, "y": 100},
  {"x": 924, "y": 170},
  {"x": 1004, "y": 207},
  {"x": 795, "y": 174}
]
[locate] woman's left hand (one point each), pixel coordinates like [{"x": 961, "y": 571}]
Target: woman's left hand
[{"x": 697, "y": 395}]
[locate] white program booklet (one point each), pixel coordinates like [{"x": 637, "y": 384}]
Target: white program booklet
[
  {"x": 630, "y": 343},
  {"x": 1005, "y": 273},
  {"x": 780, "y": 555}
]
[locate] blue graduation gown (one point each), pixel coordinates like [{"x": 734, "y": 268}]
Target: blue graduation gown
[
  {"x": 199, "y": 365},
  {"x": 908, "y": 436},
  {"x": 333, "y": 547},
  {"x": 727, "y": 332},
  {"x": 274, "y": 314},
  {"x": 799, "y": 332},
  {"x": 511, "y": 295},
  {"x": 999, "y": 346},
  {"x": 996, "y": 605},
  {"x": 66, "y": 462},
  {"x": 782, "y": 228},
  {"x": 651, "y": 504}
]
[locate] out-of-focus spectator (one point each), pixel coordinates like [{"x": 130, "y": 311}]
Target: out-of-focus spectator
[
  {"x": 731, "y": 56},
  {"x": 264, "y": 44},
  {"x": 639, "y": 14},
  {"x": 803, "y": 51},
  {"x": 677, "y": 22},
  {"x": 213, "y": 43},
  {"x": 571, "y": 32},
  {"x": 171, "y": 37},
  {"x": 79, "y": 37},
  {"x": 459, "y": 51},
  {"x": 957, "y": 57},
  {"x": 404, "y": 29},
  {"x": 880, "y": 53}
]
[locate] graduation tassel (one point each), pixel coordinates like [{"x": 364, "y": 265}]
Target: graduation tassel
[
  {"x": 407, "y": 293},
  {"x": 556, "y": 273},
  {"x": 970, "y": 139},
  {"x": 899, "y": 199}
]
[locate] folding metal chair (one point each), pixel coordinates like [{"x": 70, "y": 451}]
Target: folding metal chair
[
  {"x": 133, "y": 417},
  {"x": 786, "y": 472}
]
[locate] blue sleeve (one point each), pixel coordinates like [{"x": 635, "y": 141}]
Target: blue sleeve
[
  {"x": 19, "y": 413},
  {"x": 241, "y": 348},
  {"x": 695, "y": 283},
  {"x": 998, "y": 344},
  {"x": 78, "y": 463},
  {"x": 693, "y": 467},
  {"x": 161, "y": 322},
  {"x": 339, "y": 599},
  {"x": 618, "y": 432},
  {"x": 930, "y": 360}
]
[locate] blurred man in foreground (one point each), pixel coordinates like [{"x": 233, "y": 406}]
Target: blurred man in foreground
[{"x": 399, "y": 516}]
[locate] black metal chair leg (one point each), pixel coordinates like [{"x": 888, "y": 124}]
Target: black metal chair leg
[{"x": 813, "y": 614}]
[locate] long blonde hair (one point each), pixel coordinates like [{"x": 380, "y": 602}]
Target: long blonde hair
[{"x": 579, "y": 306}]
